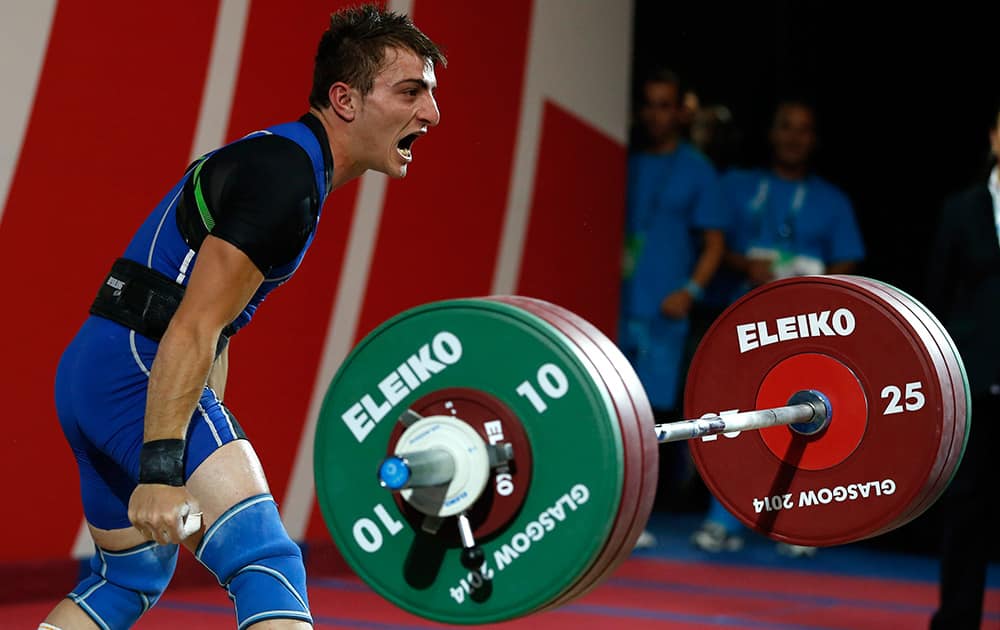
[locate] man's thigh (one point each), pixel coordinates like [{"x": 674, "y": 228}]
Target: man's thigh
[
  {"x": 229, "y": 475},
  {"x": 108, "y": 457}
]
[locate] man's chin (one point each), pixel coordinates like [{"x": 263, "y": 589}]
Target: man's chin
[{"x": 393, "y": 171}]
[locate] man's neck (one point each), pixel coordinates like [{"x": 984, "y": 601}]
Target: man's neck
[
  {"x": 791, "y": 172},
  {"x": 345, "y": 168},
  {"x": 668, "y": 145}
]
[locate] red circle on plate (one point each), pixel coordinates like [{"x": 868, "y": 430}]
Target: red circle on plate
[{"x": 839, "y": 384}]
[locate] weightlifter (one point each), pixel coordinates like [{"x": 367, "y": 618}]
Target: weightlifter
[{"x": 139, "y": 390}]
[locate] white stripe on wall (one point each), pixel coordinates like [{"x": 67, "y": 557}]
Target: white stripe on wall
[
  {"x": 564, "y": 66},
  {"x": 213, "y": 119},
  {"x": 22, "y": 52},
  {"x": 220, "y": 82},
  {"x": 296, "y": 508}
]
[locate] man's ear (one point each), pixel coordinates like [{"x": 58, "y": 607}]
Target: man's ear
[{"x": 343, "y": 101}]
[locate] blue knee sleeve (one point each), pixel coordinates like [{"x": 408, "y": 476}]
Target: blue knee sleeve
[
  {"x": 249, "y": 552},
  {"x": 124, "y": 584}
]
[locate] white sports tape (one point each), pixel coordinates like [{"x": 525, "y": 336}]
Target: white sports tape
[{"x": 191, "y": 525}]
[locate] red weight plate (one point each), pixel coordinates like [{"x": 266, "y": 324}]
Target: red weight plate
[
  {"x": 901, "y": 378},
  {"x": 951, "y": 438},
  {"x": 947, "y": 432},
  {"x": 603, "y": 349},
  {"x": 953, "y": 442},
  {"x": 961, "y": 381},
  {"x": 963, "y": 418},
  {"x": 906, "y": 305},
  {"x": 647, "y": 436},
  {"x": 631, "y": 488}
]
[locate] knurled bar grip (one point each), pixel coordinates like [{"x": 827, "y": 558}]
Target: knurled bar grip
[{"x": 810, "y": 413}]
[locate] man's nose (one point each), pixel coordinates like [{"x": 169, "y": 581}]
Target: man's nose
[{"x": 430, "y": 115}]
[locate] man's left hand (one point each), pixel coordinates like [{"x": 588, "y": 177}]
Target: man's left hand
[{"x": 677, "y": 305}]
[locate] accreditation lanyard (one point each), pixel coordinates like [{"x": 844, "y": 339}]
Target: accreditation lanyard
[
  {"x": 993, "y": 185},
  {"x": 786, "y": 223}
]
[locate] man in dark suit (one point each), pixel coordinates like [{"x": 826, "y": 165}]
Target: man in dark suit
[{"x": 964, "y": 291}]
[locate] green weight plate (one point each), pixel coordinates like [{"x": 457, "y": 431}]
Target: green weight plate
[
  {"x": 638, "y": 489},
  {"x": 567, "y": 416}
]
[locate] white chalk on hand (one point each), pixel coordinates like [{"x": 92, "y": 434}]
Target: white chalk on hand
[{"x": 191, "y": 524}]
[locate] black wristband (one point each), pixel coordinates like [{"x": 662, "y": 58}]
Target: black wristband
[{"x": 162, "y": 461}]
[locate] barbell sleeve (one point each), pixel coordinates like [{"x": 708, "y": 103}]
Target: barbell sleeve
[
  {"x": 418, "y": 469},
  {"x": 807, "y": 413}
]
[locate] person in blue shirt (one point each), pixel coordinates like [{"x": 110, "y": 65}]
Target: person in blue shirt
[
  {"x": 139, "y": 390},
  {"x": 675, "y": 220},
  {"x": 787, "y": 221}
]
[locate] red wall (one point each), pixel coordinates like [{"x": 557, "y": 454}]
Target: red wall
[{"x": 111, "y": 127}]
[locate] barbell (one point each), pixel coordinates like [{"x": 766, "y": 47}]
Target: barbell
[{"x": 478, "y": 460}]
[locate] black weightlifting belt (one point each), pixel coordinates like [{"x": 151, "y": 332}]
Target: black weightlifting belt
[{"x": 142, "y": 299}]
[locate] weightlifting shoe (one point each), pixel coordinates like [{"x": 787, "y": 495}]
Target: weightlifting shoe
[
  {"x": 646, "y": 540},
  {"x": 796, "y": 551},
  {"x": 713, "y": 538}
]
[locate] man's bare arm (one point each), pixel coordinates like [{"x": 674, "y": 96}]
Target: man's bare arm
[
  {"x": 222, "y": 282},
  {"x": 219, "y": 374}
]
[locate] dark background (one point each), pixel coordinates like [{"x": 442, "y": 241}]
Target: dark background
[{"x": 905, "y": 98}]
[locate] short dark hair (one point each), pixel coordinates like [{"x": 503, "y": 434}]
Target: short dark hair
[
  {"x": 352, "y": 50},
  {"x": 664, "y": 75},
  {"x": 799, "y": 103}
]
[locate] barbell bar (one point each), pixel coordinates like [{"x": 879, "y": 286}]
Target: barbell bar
[{"x": 807, "y": 413}]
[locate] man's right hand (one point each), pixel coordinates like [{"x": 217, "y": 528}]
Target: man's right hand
[{"x": 159, "y": 511}]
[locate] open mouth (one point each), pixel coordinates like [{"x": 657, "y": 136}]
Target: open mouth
[{"x": 403, "y": 146}]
